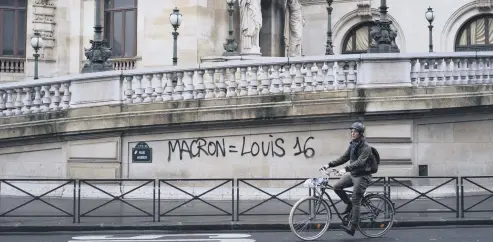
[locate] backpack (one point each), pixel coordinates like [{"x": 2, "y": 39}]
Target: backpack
[{"x": 375, "y": 161}]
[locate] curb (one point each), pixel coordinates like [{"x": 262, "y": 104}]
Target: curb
[{"x": 221, "y": 227}]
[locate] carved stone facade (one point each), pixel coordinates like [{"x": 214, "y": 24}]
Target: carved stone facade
[
  {"x": 364, "y": 8},
  {"x": 484, "y": 5},
  {"x": 44, "y": 22}
]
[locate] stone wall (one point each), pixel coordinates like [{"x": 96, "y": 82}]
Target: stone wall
[{"x": 450, "y": 146}]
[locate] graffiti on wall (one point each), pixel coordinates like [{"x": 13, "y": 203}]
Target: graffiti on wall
[{"x": 219, "y": 147}]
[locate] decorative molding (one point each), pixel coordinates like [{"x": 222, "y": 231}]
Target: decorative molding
[
  {"x": 364, "y": 8},
  {"x": 44, "y": 21},
  {"x": 484, "y": 5},
  {"x": 320, "y": 2}
]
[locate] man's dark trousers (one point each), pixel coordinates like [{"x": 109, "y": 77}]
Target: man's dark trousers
[{"x": 360, "y": 184}]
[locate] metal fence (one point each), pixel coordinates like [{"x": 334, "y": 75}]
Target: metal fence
[{"x": 167, "y": 206}]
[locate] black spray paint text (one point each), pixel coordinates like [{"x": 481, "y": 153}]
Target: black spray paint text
[{"x": 218, "y": 148}]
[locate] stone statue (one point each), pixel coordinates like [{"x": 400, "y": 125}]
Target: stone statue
[
  {"x": 294, "y": 22},
  {"x": 250, "y": 25}
]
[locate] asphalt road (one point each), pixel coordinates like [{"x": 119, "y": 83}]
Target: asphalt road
[{"x": 448, "y": 234}]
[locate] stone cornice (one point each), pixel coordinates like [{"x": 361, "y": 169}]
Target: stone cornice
[{"x": 228, "y": 112}]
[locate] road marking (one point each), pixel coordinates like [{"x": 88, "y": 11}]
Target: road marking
[{"x": 165, "y": 238}]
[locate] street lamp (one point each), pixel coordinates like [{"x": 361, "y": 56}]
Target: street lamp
[
  {"x": 383, "y": 33},
  {"x": 175, "y": 19},
  {"x": 98, "y": 54},
  {"x": 230, "y": 46},
  {"x": 36, "y": 43},
  {"x": 328, "y": 46},
  {"x": 430, "y": 16}
]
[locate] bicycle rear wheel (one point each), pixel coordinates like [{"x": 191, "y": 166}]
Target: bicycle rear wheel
[
  {"x": 315, "y": 208},
  {"x": 376, "y": 216}
]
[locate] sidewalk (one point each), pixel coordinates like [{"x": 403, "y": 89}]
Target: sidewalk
[{"x": 194, "y": 215}]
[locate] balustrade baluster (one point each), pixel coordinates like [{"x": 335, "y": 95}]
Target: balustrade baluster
[
  {"x": 8, "y": 104},
  {"x": 440, "y": 73},
  {"x": 319, "y": 77},
  {"x": 447, "y": 73},
  {"x": 209, "y": 84},
  {"x": 253, "y": 90},
  {"x": 46, "y": 99},
  {"x": 148, "y": 91},
  {"x": 243, "y": 81},
  {"x": 276, "y": 81},
  {"x": 414, "y": 75},
  {"x": 287, "y": 81},
  {"x": 55, "y": 100},
  {"x": 200, "y": 84},
  {"x": 189, "y": 88},
  {"x": 159, "y": 89},
  {"x": 67, "y": 95},
  {"x": 351, "y": 76},
  {"x": 422, "y": 73},
  {"x": 330, "y": 76},
  {"x": 431, "y": 73},
  {"x": 490, "y": 70},
  {"x": 138, "y": 90},
  {"x": 265, "y": 80},
  {"x": 463, "y": 71},
  {"x": 2, "y": 103},
  {"x": 169, "y": 89},
  {"x": 18, "y": 101},
  {"x": 179, "y": 86},
  {"x": 471, "y": 71},
  {"x": 129, "y": 92},
  {"x": 309, "y": 77},
  {"x": 298, "y": 78},
  {"x": 232, "y": 84},
  {"x": 341, "y": 77},
  {"x": 37, "y": 99},
  {"x": 479, "y": 71},
  {"x": 221, "y": 85},
  {"x": 26, "y": 109}
]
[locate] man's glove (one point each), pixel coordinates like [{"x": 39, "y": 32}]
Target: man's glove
[{"x": 325, "y": 167}]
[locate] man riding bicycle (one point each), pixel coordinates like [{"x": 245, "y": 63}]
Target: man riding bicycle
[{"x": 356, "y": 174}]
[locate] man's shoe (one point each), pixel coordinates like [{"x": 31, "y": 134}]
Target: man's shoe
[
  {"x": 350, "y": 229},
  {"x": 348, "y": 209}
]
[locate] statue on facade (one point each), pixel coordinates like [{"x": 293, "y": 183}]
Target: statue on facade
[
  {"x": 250, "y": 25},
  {"x": 294, "y": 22}
]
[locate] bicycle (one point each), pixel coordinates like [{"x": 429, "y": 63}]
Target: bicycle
[{"x": 318, "y": 200}]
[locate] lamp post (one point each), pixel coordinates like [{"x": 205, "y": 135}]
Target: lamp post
[
  {"x": 383, "y": 34},
  {"x": 231, "y": 45},
  {"x": 430, "y": 16},
  {"x": 98, "y": 55},
  {"x": 36, "y": 43},
  {"x": 175, "y": 19},
  {"x": 328, "y": 47}
]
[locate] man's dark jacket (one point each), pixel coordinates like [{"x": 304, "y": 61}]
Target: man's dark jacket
[{"x": 359, "y": 153}]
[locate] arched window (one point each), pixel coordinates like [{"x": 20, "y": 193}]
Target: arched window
[
  {"x": 476, "y": 34},
  {"x": 358, "y": 39}
]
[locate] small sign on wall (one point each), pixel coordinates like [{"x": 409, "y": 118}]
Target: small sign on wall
[{"x": 142, "y": 153}]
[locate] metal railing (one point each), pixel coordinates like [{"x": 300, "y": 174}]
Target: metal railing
[
  {"x": 271, "y": 196},
  {"x": 469, "y": 179},
  {"x": 120, "y": 198},
  {"x": 424, "y": 194},
  {"x": 9, "y": 182},
  {"x": 195, "y": 197},
  {"x": 166, "y": 206}
]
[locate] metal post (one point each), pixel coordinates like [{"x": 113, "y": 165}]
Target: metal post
[
  {"x": 431, "y": 37},
  {"x": 383, "y": 34},
  {"x": 98, "y": 55},
  {"x": 231, "y": 45},
  {"x": 36, "y": 57},
  {"x": 175, "y": 47},
  {"x": 329, "y": 47}
]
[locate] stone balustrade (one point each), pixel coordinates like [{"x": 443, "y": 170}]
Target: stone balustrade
[{"x": 257, "y": 76}]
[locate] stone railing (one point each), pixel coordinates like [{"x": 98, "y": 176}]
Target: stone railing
[
  {"x": 262, "y": 76},
  {"x": 12, "y": 64}
]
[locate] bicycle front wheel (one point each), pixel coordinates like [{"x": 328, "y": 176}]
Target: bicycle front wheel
[
  {"x": 376, "y": 216},
  {"x": 317, "y": 218}
]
